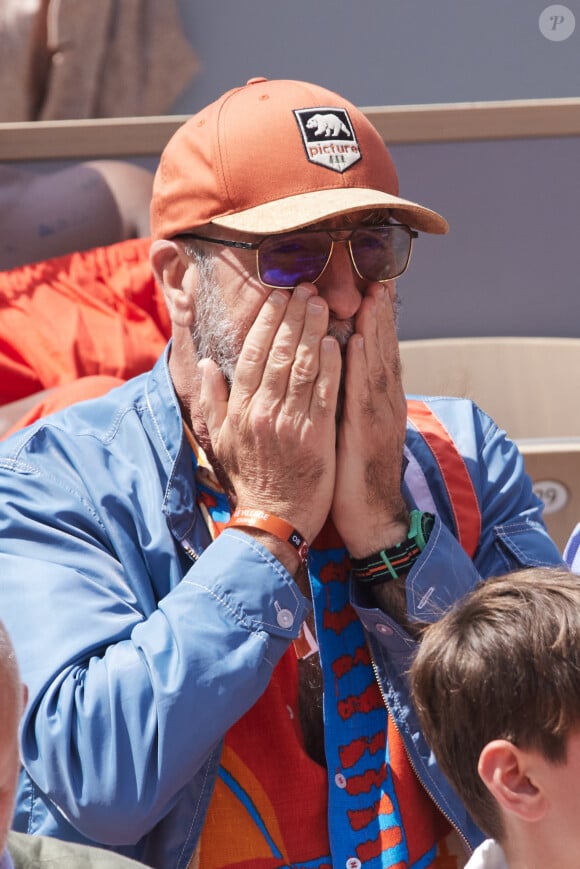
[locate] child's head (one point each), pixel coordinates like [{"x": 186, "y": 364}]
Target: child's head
[{"x": 501, "y": 669}]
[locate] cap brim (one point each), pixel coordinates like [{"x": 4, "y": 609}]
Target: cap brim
[{"x": 293, "y": 212}]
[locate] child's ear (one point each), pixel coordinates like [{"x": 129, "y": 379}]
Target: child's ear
[{"x": 510, "y": 775}]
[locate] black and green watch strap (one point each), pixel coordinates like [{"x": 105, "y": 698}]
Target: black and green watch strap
[{"x": 396, "y": 561}]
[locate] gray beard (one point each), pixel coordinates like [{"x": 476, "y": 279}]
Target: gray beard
[{"x": 216, "y": 337}]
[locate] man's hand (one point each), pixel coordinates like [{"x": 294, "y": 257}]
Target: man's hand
[
  {"x": 368, "y": 509},
  {"x": 275, "y": 434}
]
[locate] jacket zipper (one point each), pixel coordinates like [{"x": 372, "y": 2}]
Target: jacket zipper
[
  {"x": 190, "y": 551},
  {"x": 412, "y": 764}
]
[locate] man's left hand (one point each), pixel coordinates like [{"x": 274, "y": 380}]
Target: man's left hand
[{"x": 368, "y": 509}]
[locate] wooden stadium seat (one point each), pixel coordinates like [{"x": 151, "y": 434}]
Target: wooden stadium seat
[{"x": 529, "y": 387}]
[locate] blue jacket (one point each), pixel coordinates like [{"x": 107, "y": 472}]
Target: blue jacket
[{"x": 142, "y": 642}]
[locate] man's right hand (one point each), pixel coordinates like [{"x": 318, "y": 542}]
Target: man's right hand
[{"x": 275, "y": 434}]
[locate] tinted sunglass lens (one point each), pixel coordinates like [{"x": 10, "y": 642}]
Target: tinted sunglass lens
[
  {"x": 381, "y": 253},
  {"x": 285, "y": 261}
]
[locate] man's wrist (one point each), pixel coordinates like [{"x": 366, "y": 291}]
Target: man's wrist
[
  {"x": 383, "y": 537},
  {"x": 395, "y": 561},
  {"x": 286, "y": 555},
  {"x": 245, "y": 517},
  {"x": 278, "y": 535}
]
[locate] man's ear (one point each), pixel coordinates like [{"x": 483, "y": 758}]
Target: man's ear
[
  {"x": 509, "y": 773},
  {"x": 169, "y": 264}
]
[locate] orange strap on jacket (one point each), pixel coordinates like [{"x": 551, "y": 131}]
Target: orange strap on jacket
[{"x": 462, "y": 497}]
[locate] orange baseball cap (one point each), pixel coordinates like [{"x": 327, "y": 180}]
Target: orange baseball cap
[{"x": 274, "y": 156}]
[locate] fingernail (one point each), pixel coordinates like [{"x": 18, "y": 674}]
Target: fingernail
[
  {"x": 316, "y": 305},
  {"x": 303, "y": 292}
]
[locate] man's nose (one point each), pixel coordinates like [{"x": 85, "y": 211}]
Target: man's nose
[{"x": 340, "y": 285}]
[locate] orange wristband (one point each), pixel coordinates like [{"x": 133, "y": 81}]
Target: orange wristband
[{"x": 246, "y": 518}]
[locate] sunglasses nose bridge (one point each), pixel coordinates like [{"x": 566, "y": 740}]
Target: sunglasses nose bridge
[
  {"x": 339, "y": 235},
  {"x": 344, "y": 236},
  {"x": 332, "y": 245}
]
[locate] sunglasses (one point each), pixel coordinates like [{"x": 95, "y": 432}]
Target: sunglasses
[{"x": 378, "y": 253}]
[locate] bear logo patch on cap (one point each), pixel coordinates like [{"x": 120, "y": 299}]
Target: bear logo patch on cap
[{"x": 328, "y": 137}]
